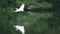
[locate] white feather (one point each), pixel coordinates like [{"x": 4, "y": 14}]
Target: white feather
[
  {"x": 20, "y": 9},
  {"x": 20, "y": 28}
]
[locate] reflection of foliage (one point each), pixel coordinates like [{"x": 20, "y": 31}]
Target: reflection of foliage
[{"x": 35, "y": 22}]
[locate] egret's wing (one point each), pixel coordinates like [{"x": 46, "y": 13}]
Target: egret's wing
[
  {"x": 22, "y": 7},
  {"x": 22, "y": 29}
]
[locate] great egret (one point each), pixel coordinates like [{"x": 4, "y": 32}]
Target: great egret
[
  {"x": 20, "y": 9},
  {"x": 20, "y": 28}
]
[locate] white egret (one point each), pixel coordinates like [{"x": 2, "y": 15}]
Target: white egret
[
  {"x": 20, "y": 9},
  {"x": 20, "y": 28}
]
